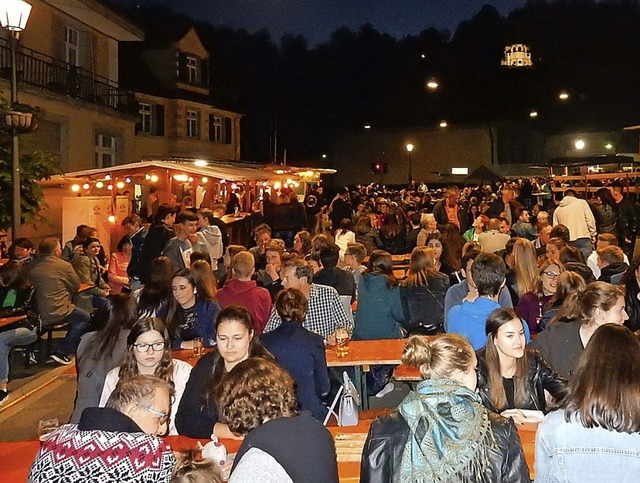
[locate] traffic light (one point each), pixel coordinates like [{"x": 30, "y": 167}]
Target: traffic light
[{"x": 379, "y": 167}]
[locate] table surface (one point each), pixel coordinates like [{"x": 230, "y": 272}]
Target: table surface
[
  {"x": 406, "y": 373},
  {"x": 4, "y": 321},
  {"x": 85, "y": 286},
  {"x": 186, "y": 355},
  {"x": 16, "y": 457},
  {"x": 368, "y": 352}
]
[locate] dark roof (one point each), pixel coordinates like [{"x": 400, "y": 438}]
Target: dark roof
[{"x": 483, "y": 173}]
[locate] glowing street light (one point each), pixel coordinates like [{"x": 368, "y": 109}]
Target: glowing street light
[
  {"x": 563, "y": 96},
  {"x": 367, "y": 126},
  {"x": 13, "y": 17},
  {"x": 432, "y": 84},
  {"x": 608, "y": 146},
  {"x": 579, "y": 144},
  {"x": 409, "y": 148},
  {"x": 533, "y": 114},
  {"x": 443, "y": 124}
]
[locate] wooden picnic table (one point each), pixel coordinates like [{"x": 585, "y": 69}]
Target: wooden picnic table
[
  {"x": 5, "y": 321},
  {"x": 85, "y": 286},
  {"x": 363, "y": 355},
  {"x": 397, "y": 259},
  {"x": 186, "y": 355}
]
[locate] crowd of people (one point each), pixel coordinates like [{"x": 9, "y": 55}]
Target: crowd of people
[{"x": 522, "y": 304}]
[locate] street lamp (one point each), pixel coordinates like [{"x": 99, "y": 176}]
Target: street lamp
[
  {"x": 409, "y": 148},
  {"x": 14, "y": 19}
]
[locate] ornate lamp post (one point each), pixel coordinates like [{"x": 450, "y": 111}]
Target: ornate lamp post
[
  {"x": 14, "y": 18},
  {"x": 409, "y": 148}
]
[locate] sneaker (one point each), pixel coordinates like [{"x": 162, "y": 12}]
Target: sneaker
[
  {"x": 386, "y": 390},
  {"x": 33, "y": 359},
  {"x": 3, "y": 397},
  {"x": 61, "y": 358}
]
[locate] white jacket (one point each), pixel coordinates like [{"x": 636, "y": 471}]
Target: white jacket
[{"x": 575, "y": 214}]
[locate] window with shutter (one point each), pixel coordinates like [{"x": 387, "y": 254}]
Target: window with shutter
[
  {"x": 182, "y": 67},
  {"x": 72, "y": 46},
  {"x": 192, "y": 70},
  {"x": 228, "y": 130},
  {"x": 192, "y": 124},
  {"x": 105, "y": 150},
  {"x": 204, "y": 73},
  {"x": 158, "y": 119},
  {"x": 145, "y": 118}
]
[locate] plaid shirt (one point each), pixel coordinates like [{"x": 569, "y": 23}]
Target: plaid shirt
[{"x": 324, "y": 314}]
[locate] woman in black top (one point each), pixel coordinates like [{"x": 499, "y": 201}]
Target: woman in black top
[
  {"x": 511, "y": 376},
  {"x": 197, "y": 415}
]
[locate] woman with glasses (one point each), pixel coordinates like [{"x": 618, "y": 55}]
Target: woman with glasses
[
  {"x": 442, "y": 432},
  {"x": 197, "y": 415},
  {"x": 563, "y": 342},
  {"x": 533, "y": 304},
  {"x": 149, "y": 352},
  {"x": 511, "y": 376}
]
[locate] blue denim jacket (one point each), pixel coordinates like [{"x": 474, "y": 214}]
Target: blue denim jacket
[{"x": 569, "y": 452}]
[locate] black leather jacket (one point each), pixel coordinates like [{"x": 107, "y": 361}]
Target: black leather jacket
[
  {"x": 541, "y": 376},
  {"x": 606, "y": 217},
  {"x": 382, "y": 453}
]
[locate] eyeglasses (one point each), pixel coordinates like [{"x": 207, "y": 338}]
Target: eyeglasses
[
  {"x": 552, "y": 275},
  {"x": 155, "y": 347},
  {"x": 164, "y": 417}
]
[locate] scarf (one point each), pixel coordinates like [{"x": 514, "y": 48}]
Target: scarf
[{"x": 450, "y": 433}]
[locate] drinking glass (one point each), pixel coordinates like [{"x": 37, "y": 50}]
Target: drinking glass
[
  {"x": 343, "y": 337},
  {"x": 198, "y": 347},
  {"x": 46, "y": 428}
]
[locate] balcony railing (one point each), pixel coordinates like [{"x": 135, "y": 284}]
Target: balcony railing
[{"x": 40, "y": 70}]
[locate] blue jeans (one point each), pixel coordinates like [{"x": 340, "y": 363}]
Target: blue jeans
[
  {"x": 584, "y": 245},
  {"x": 78, "y": 324},
  {"x": 19, "y": 336}
]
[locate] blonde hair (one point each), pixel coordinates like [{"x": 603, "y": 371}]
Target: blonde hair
[
  {"x": 525, "y": 266},
  {"x": 438, "y": 357}
]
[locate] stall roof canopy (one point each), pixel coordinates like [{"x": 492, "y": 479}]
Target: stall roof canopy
[{"x": 212, "y": 169}]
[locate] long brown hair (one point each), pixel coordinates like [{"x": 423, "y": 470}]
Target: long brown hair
[
  {"x": 232, "y": 313},
  {"x": 381, "y": 263},
  {"x": 605, "y": 390},
  {"x": 421, "y": 267},
  {"x": 497, "y": 319},
  {"x": 205, "y": 280},
  {"x": 118, "y": 313},
  {"x": 129, "y": 367}
]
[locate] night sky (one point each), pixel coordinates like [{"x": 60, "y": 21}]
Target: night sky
[{"x": 317, "y": 19}]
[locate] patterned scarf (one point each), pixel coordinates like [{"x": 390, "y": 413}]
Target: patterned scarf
[{"x": 450, "y": 433}]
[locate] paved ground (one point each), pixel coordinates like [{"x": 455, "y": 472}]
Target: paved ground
[{"x": 42, "y": 391}]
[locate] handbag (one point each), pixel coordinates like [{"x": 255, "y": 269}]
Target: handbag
[{"x": 348, "y": 411}]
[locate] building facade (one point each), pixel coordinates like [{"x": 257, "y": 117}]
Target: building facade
[
  {"x": 176, "y": 118},
  {"x": 67, "y": 65}
]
